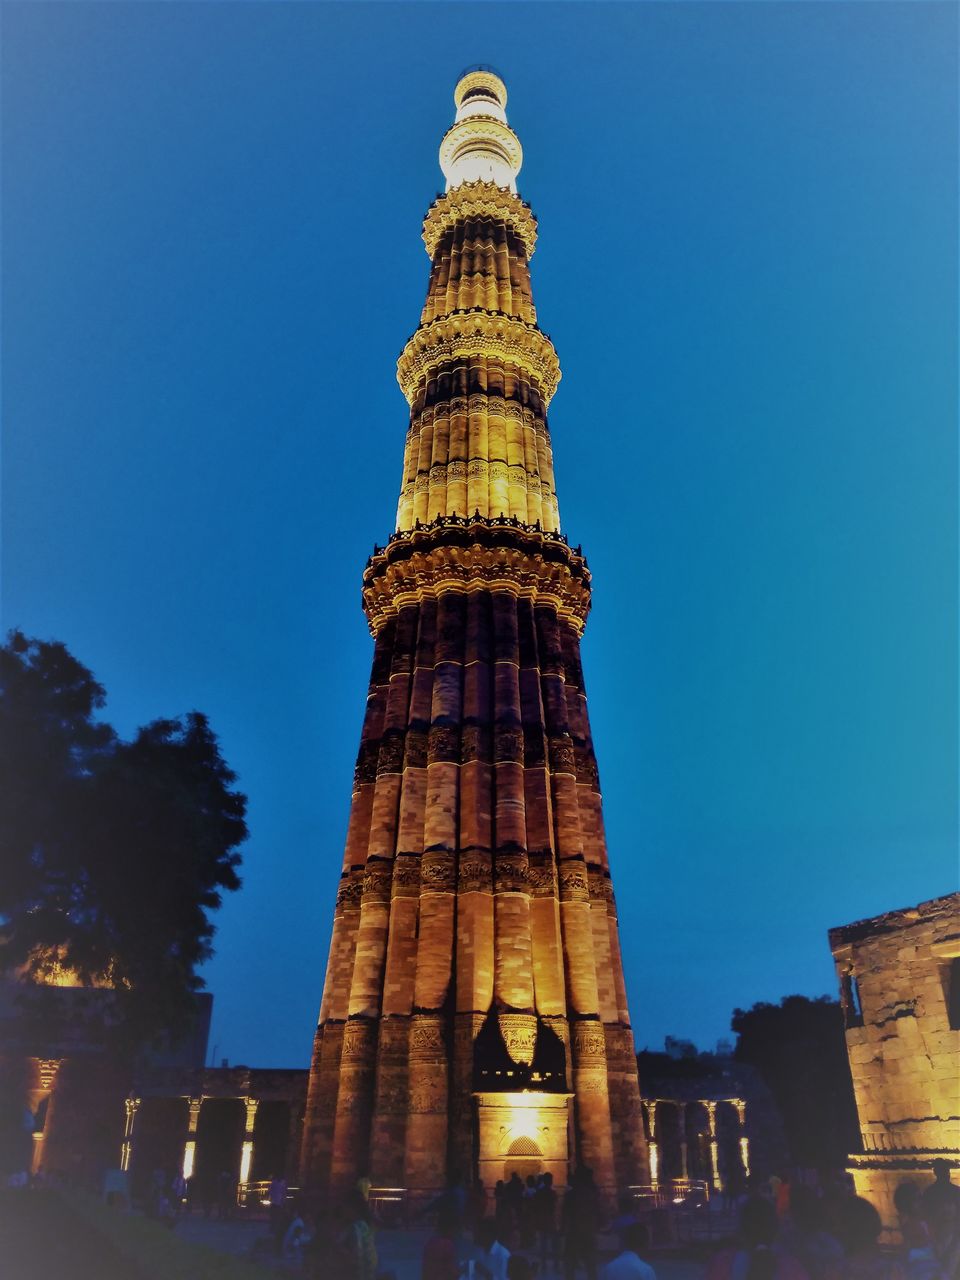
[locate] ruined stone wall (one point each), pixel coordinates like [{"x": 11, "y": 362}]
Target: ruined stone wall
[{"x": 900, "y": 989}]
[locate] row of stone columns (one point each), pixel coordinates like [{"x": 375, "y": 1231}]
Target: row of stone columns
[
  {"x": 133, "y": 1105},
  {"x": 710, "y": 1106}
]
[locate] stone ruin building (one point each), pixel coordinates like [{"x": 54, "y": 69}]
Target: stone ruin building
[{"x": 900, "y": 989}]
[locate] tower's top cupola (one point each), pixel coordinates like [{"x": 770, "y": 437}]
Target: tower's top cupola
[{"x": 480, "y": 146}]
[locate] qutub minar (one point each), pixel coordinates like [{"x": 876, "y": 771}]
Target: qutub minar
[{"x": 474, "y": 1018}]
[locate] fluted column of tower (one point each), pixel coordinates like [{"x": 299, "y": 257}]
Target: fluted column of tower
[{"x": 475, "y": 940}]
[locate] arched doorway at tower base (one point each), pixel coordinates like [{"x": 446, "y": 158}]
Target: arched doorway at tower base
[{"x": 523, "y": 1133}]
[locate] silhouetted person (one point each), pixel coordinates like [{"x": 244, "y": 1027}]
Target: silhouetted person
[
  {"x": 277, "y": 1208},
  {"x": 581, "y": 1219},
  {"x": 545, "y": 1219},
  {"x": 440, "y": 1251},
  {"x": 804, "y": 1235},
  {"x": 629, "y": 1263},
  {"x": 357, "y": 1244},
  {"x": 940, "y": 1205},
  {"x": 757, "y": 1257},
  {"x": 476, "y": 1205},
  {"x": 920, "y": 1259},
  {"x": 858, "y": 1228},
  {"x": 491, "y": 1255}
]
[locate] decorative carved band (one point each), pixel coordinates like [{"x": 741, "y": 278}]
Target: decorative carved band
[
  {"x": 350, "y": 891},
  {"x": 47, "y": 1069},
  {"x": 377, "y": 879},
  {"x": 465, "y": 134},
  {"x": 478, "y": 333},
  {"x": 463, "y": 555},
  {"x": 474, "y": 872},
  {"x": 511, "y": 873},
  {"x": 359, "y": 1041},
  {"x": 438, "y": 872},
  {"x": 573, "y": 881},
  {"x": 589, "y": 1044},
  {"x": 479, "y": 200},
  {"x": 406, "y": 876},
  {"x": 601, "y": 886},
  {"x": 519, "y": 1031},
  {"x": 426, "y": 1038},
  {"x": 480, "y": 79},
  {"x": 542, "y": 874}
]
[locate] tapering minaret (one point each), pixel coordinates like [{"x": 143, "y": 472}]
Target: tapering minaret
[{"x": 474, "y": 1018}]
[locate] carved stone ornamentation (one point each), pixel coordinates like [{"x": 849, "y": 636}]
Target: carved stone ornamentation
[
  {"x": 479, "y": 200},
  {"x": 438, "y": 872},
  {"x": 427, "y": 1039},
  {"x": 478, "y": 333},
  {"x": 484, "y": 555},
  {"x": 474, "y": 873},
  {"x": 511, "y": 873},
  {"x": 542, "y": 874},
  {"x": 589, "y": 1044},
  {"x": 572, "y": 875},
  {"x": 406, "y": 876},
  {"x": 519, "y": 1031},
  {"x": 359, "y": 1039},
  {"x": 390, "y": 758}
]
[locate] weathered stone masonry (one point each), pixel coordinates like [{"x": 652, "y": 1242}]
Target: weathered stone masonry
[
  {"x": 475, "y": 950},
  {"x": 900, "y": 987}
]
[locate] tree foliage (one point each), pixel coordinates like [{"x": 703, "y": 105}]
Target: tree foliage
[
  {"x": 113, "y": 854},
  {"x": 799, "y": 1048}
]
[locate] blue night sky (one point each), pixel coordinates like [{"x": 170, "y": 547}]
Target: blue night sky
[{"x": 748, "y": 264}]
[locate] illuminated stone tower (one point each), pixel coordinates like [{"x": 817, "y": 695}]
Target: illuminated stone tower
[{"x": 474, "y": 1017}]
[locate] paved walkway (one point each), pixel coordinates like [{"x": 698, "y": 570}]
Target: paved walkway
[{"x": 399, "y": 1251}]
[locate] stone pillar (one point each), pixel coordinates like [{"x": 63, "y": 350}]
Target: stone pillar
[
  {"x": 741, "y": 1109},
  {"x": 592, "y": 1103},
  {"x": 131, "y": 1107},
  {"x": 653, "y": 1146},
  {"x": 321, "y": 1109},
  {"x": 391, "y": 1099},
  {"x": 246, "y": 1151},
  {"x": 682, "y": 1123},
  {"x": 425, "y": 1162},
  {"x": 513, "y": 988},
  {"x": 47, "y": 1072},
  {"x": 714, "y": 1146},
  {"x": 351, "y": 1130},
  {"x": 629, "y": 1142},
  {"x": 190, "y": 1143},
  {"x": 463, "y": 1157}
]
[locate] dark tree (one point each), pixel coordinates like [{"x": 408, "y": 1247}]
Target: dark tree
[
  {"x": 798, "y": 1047},
  {"x": 113, "y": 854}
]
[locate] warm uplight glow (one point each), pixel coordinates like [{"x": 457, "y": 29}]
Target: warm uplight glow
[
  {"x": 715, "y": 1165},
  {"x": 529, "y": 1099},
  {"x": 524, "y": 1114},
  {"x": 745, "y": 1155},
  {"x": 246, "y": 1155},
  {"x": 654, "y": 1163},
  {"x": 189, "y": 1151}
]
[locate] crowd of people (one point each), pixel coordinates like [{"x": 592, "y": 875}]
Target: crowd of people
[
  {"x": 804, "y": 1232},
  {"x": 786, "y": 1231}
]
